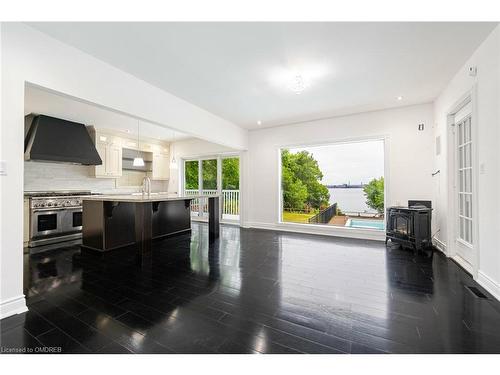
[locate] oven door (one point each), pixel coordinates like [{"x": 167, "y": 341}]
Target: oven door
[
  {"x": 45, "y": 222},
  {"x": 71, "y": 220}
]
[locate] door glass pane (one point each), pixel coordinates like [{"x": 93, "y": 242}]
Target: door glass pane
[
  {"x": 191, "y": 175},
  {"x": 460, "y": 157},
  {"x": 209, "y": 181},
  {"x": 231, "y": 188},
  {"x": 467, "y": 230},
  {"x": 468, "y": 180},
  {"x": 467, "y": 205},
  {"x": 470, "y": 231},
  {"x": 191, "y": 184},
  {"x": 467, "y": 130},
  {"x": 209, "y": 173},
  {"x": 467, "y": 156},
  {"x": 460, "y": 134}
]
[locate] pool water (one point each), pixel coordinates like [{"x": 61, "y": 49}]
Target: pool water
[{"x": 366, "y": 224}]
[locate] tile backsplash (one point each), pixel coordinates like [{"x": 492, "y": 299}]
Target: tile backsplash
[{"x": 41, "y": 176}]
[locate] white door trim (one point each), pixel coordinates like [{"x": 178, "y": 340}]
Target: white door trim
[{"x": 473, "y": 268}]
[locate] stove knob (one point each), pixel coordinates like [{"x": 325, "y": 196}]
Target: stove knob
[{"x": 49, "y": 204}]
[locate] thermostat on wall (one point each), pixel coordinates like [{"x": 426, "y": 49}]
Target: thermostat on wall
[{"x": 3, "y": 168}]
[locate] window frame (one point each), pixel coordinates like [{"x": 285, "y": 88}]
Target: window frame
[{"x": 332, "y": 142}]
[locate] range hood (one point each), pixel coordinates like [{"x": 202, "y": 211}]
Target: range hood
[{"x": 53, "y": 139}]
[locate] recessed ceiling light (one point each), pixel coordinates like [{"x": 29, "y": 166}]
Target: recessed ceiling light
[
  {"x": 400, "y": 98},
  {"x": 259, "y": 122}
]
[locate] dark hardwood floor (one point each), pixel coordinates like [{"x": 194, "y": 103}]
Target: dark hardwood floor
[{"x": 253, "y": 291}]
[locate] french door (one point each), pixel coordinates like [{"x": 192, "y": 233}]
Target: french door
[
  {"x": 211, "y": 176},
  {"x": 464, "y": 187}
]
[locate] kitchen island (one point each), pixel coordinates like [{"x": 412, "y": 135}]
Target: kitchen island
[{"x": 115, "y": 221}]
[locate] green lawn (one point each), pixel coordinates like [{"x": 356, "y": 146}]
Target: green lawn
[{"x": 296, "y": 217}]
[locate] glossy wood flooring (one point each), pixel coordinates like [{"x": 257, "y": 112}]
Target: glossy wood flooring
[{"x": 253, "y": 291}]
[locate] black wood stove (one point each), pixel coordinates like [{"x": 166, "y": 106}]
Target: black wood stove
[{"x": 410, "y": 226}]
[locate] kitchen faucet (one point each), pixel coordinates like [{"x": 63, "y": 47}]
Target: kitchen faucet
[{"x": 146, "y": 186}]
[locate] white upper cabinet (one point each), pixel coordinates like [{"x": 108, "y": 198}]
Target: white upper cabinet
[
  {"x": 110, "y": 149},
  {"x": 161, "y": 166},
  {"x": 114, "y": 160}
]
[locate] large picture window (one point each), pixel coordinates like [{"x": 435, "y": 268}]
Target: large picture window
[{"x": 338, "y": 184}]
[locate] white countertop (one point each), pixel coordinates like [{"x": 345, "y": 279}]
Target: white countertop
[{"x": 144, "y": 198}]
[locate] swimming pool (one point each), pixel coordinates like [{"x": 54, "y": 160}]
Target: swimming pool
[{"x": 365, "y": 224}]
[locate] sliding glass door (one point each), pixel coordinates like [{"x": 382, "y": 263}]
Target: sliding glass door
[{"x": 211, "y": 176}]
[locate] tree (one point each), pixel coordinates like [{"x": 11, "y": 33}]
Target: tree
[
  {"x": 374, "y": 193},
  {"x": 301, "y": 180},
  {"x": 231, "y": 174},
  {"x": 191, "y": 174}
]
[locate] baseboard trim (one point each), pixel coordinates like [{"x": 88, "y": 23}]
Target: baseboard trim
[
  {"x": 13, "y": 306},
  {"x": 463, "y": 263},
  {"x": 440, "y": 245},
  {"x": 489, "y": 284},
  {"x": 363, "y": 234}
]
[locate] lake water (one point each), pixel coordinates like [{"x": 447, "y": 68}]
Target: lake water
[{"x": 349, "y": 200}]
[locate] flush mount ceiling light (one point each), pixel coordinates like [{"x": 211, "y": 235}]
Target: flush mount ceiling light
[
  {"x": 259, "y": 122},
  {"x": 297, "y": 78},
  {"x": 138, "y": 160},
  {"x": 399, "y": 98},
  {"x": 298, "y": 84}
]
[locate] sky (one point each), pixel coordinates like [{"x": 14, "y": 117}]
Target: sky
[{"x": 355, "y": 162}]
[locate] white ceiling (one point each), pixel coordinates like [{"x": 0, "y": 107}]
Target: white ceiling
[
  {"x": 239, "y": 71},
  {"x": 43, "y": 102}
]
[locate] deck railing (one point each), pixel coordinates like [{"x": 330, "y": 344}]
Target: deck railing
[{"x": 230, "y": 201}]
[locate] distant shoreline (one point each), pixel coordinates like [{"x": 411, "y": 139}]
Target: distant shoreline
[{"x": 345, "y": 186}]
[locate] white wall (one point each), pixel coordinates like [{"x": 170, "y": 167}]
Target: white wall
[
  {"x": 190, "y": 148},
  {"x": 30, "y": 56},
  {"x": 485, "y": 88},
  {"x": 409, "y": 168}
]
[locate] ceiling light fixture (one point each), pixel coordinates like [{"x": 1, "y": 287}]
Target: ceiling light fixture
[
  {"x": 298, "y": 84},
  {"x": 298, "y": 77},
  {"x": 259, "y": 122},
  {"x": 173, "y": 161},
  {"x": 400, "y": 98},
  {"x": 138, "y": 160}
]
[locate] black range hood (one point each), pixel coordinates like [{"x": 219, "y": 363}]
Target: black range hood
[{"x": 53, "y": 139}]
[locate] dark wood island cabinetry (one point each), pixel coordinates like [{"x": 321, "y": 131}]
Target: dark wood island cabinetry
[{"x": 111, "y": 222}]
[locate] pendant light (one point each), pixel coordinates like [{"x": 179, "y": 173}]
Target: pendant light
[
  {"x": 138, "y": 160},
  {"x": 173, "y": 161}
]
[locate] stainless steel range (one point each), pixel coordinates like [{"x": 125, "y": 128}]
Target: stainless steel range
[{"x": 55, "y": 216}]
